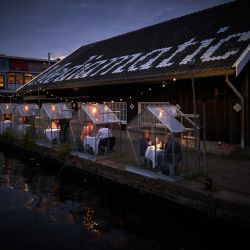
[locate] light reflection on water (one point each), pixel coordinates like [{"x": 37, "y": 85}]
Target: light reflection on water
[{"x": 43, "y": 206}]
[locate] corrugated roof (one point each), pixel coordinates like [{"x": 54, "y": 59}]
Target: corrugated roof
[{"x": 208, "y": 42}]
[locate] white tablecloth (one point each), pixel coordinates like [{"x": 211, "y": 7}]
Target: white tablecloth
[
  {"x": 22, "y": 128},
  {"x": 150, "y": 154},
  {"x": 91, "y": 141},
  {"x": 52, "y": 133},
  {"x": 4, "y": 125}
]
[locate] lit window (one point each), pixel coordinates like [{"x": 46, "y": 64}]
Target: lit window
[
  {"x": 11, "y": 78},
  {"x": 27, "y": 78},
  {"x": 2, "y": 81},
  {"x": 19, "y": 78}
]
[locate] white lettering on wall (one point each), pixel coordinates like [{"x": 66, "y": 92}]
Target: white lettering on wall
[
  {"x": 73, "y": 71},
  {"x": 244, "y": 36},
  {"x": 88, "y": 68},
  {"x": 121, "y": 68},
  {"x": 221, "y": 30},
  {"x": 204, "y": 44},
  {"x": 112, "y": 60},
  {"x": 81, "y": 68},
  {"x": 95, "y": 65},
  {"x": 147, "y": 65},
  {"x": 207, "y": 56},
  {"x": 166, "y": 62},
  {"x": 43, "y": 76},
  {"x": 55, "y": 73}
]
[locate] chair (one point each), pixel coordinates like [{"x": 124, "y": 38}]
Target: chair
[
  {"x": 172, "y": 163},
  {"x": 106, "y": 145}
]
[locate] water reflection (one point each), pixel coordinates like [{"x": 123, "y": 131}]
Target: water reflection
[{"x": 43, "y": 206}]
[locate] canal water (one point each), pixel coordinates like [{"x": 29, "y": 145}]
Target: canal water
[{"x": 45, "y": 206}]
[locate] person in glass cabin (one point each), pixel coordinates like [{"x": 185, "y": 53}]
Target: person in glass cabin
[
  {"x": 172, "y": 154},
  {"x": 104, "y": 132},
  {"x": 172, "y": 149},
  {"x": 144, "y": 143},
  {"x": 86, "y": 131}
]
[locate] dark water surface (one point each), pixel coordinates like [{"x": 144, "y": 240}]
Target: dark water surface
[{"x": 45, "y": 206}]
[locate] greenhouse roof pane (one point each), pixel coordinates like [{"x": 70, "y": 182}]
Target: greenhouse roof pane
[
  {"x": 29, "y": 109},
  {"x": 57, "y": 110},
  {"x": 167, "y": 116},
  {"x": 100, "y": 113},
  {"x": 7, "y": 108}
]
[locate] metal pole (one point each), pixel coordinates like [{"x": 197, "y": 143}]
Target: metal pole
[
  {"x": 242, "y": 141},
  {"x": 194, "y": 101},
  {"x": 204, "y": 136},
  {"x": 195, "y": 126},
  {"x": 49, "y": 59},
  {"x": 38, "y": 96}
]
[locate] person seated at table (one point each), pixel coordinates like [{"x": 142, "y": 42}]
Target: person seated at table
[
  {"x": 104, "y": 132},
  {"x": 86, "y": 131},
  {"x": 144, "y": 143},
  {"x": 105, "y": 140},
  {"x": 172, "y": 154}
]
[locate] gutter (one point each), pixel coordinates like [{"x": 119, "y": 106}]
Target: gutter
[{"x": 242, "y": 126}]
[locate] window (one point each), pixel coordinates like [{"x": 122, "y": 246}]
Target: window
[
  {"x": 2, "y": 80},
  {"x": 120, "y": 109},
  {"x": 19, "y": 78},
  {"x": 27, "y": 78},
  {"x": 11, "y": 78}
]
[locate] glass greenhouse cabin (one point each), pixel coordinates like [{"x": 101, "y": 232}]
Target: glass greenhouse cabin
[
  {"x": 163, "y": 140},
  {"x": 95, "y": 130},
  {"x": 52, "y": 123},
  {"x": 23, "y": 118},
  {"x": 6, "y": 110}
]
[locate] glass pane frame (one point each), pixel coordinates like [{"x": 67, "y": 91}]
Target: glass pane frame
[
  {"x": 52, "y": 124},
  {"x": 23, "y": 117},
  {"x": 172, "y": 148},
  {"x": 84, "y": 127}
]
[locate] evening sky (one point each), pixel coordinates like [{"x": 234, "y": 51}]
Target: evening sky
[{"x": 32, "y": 28}]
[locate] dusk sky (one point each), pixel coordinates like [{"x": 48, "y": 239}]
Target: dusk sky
[{"x": 32, "y": 28}]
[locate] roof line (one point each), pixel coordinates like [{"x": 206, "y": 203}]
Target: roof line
[{"x": 241, "y": 62}]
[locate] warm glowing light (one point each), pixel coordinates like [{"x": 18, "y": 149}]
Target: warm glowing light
[
  {"x": 7, "y": 106},
  {"x": 160, "y": 115},
  {"x": 26, "y": 108},
  {"x": 54, "y": 125},
  {"x": 174, "y": 79},
  {"x": 53, "y": 108},
  {"x": 94, "y": 110}
]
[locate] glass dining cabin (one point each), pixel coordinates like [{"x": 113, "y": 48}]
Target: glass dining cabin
[
  {"x": 6, "y": 110},
  {"x": 23, "y": 118},
  {"x": 95, "y": 131},
  {"x": 163, "y": 140},
  {"x": 52, "y": 124}
]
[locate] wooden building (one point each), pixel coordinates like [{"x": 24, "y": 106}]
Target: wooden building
[{"x": 199, "y": 61}]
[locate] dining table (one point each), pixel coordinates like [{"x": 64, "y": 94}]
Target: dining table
[
  {"x": 52, "y": 133},
  {"x": 154, "y": 154},
  {"x": 92, "y": 142}
]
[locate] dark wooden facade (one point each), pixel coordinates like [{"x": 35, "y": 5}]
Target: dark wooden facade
[{"x": 133, "y": 67}]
